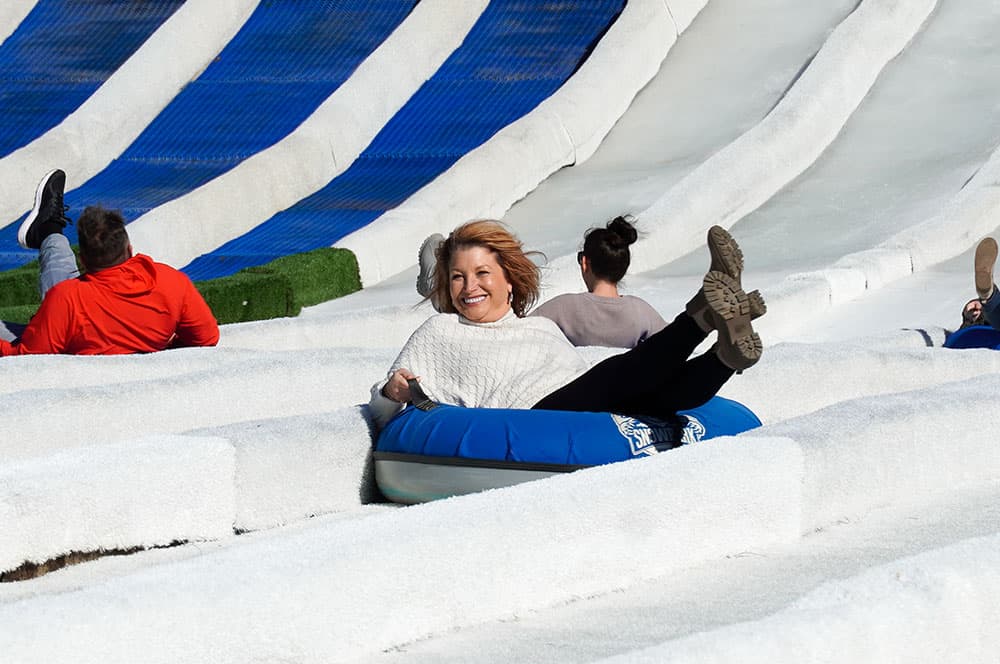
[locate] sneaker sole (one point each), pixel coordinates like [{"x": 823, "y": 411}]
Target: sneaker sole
[
  {"x": 727, "y": 257},
  {"x": 732, "y": 310},
  {"x": 986, "y": 258},
  {"x": 22, "y": 231}
]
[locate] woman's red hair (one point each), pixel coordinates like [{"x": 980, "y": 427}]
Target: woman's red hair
[{"x": 517, "y": 265}]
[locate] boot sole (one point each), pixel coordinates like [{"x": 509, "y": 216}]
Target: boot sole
[
  {"x": 757, "y": 305},
  {"x": 731, "y": 310},
  {"x": 726, "y": 254},
  {"x": 986, "y": 258},
  {"x": 22, "y": 231},
  {"x": 698, "y": 304}
]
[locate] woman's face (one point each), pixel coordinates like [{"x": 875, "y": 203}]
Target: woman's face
[{"x": 479, "y": 287}]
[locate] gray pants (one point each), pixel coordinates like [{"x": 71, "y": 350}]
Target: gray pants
[{"x": 56, "y": 262}]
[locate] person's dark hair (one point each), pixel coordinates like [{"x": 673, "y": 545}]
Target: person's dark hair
[
  {"x": 103, "y": 240},
  {"x": 607, "y": 249},
  {"x": 517, "y": 265}
]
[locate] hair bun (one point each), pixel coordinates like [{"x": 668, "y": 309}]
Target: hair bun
[{"x": 623, "y": 228}]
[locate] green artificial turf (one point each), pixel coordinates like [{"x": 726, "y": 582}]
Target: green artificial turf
[
  {"x": 316, "y": 276},
  {"x": 277, "y": 289},
  {"x": 18, "y": 313},
  {"x": 19, "y": 287}
]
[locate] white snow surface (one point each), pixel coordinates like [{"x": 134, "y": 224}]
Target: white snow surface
[
  {"x": 860, "y": 523},
  {"x": 86, "y": 141},
  {"x": 320, "y": 148},
  {"x": 11, "y": 15}
]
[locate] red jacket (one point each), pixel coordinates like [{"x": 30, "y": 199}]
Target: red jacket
[{"x": 136, "y": 307}]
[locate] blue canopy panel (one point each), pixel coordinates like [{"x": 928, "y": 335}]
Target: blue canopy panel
[
  {"x": 61, "y": 53},
  {"x": 518, "y": 53},
  {"x": 288, "y": 58}
]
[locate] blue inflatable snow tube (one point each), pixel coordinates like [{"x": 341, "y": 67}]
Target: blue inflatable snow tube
[
  {"x": 977, "y": 336},
  {"x": 447, "y": 451}
]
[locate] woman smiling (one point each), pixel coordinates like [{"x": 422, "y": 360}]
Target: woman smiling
[{"x": 482, "y": 351}]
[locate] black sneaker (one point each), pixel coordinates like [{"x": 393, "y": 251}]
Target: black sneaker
[{"x": 48, "y": 216}]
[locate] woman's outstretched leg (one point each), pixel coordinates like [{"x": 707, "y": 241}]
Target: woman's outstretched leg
[
  {"x": 700, "y": 379},
  {"x": 657, "y": 375},
  {"x": 628, "y": 377},
  {"x": 656, "y": 378}
]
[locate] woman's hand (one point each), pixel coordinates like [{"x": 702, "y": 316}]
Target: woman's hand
[{"x": 397, "y": 388}]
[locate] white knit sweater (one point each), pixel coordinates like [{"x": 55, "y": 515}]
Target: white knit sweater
[{"x": 511, "y": 363}]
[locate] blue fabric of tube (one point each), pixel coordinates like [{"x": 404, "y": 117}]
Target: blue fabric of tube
[
  {"x": 977, "y": 336},
  {"x": 555, "y": 437}
]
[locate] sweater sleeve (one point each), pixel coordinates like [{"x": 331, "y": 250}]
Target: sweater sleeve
[
  {"x": 655, "y": 321},
  {"x": 383, "y": 408},
  {"x": 550, "y": 309}
]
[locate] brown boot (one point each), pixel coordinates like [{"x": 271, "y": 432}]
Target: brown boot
[
  {"x": 739, "y": 347},
  {"x": 986, "y": 256},
  {"x": 698, "y": 309},
  {"x": 727, "y": 257}
]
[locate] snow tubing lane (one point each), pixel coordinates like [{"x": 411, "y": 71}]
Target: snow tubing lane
[
  {"x": 448, "y": 451},
  {"x": 977, "y": 336}
]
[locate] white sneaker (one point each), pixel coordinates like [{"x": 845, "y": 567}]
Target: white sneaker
[
  {"x": 986, "y": 256},
  {"x": 427, "y": 257}
]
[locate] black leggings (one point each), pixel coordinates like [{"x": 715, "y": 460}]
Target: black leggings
[{"x": 655, "y": 378}]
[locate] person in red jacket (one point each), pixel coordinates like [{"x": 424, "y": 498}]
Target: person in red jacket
[{"x": 122, "y": 303}]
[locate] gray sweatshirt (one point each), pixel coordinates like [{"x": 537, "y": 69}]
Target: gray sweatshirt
[{"x": 594, "y": 320}]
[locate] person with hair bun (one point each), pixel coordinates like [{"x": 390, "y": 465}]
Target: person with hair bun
[
  {"x": 602, "y": 316},
  {"x": 481, "y": 351}
]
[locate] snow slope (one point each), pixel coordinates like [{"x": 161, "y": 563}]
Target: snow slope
[
  {"x": 860, "y": 523},
  {"x": 97, "y": 132},
  {"x": 12, "y": 14}
]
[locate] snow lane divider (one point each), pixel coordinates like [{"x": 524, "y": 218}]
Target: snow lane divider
[
  {"x": 321, "y": 148},
  {"x": 104, "y": 125},
  {"x": 747, "y": 172},
  {"x": 147, "y": 492},
  {"x": 953, "y": 588},
  {"x": 351, "y": 587},
  {"x": 12, "y": 12},
  {"x": 564, "y": 129},
  {"x": 962, "y": 222}
]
